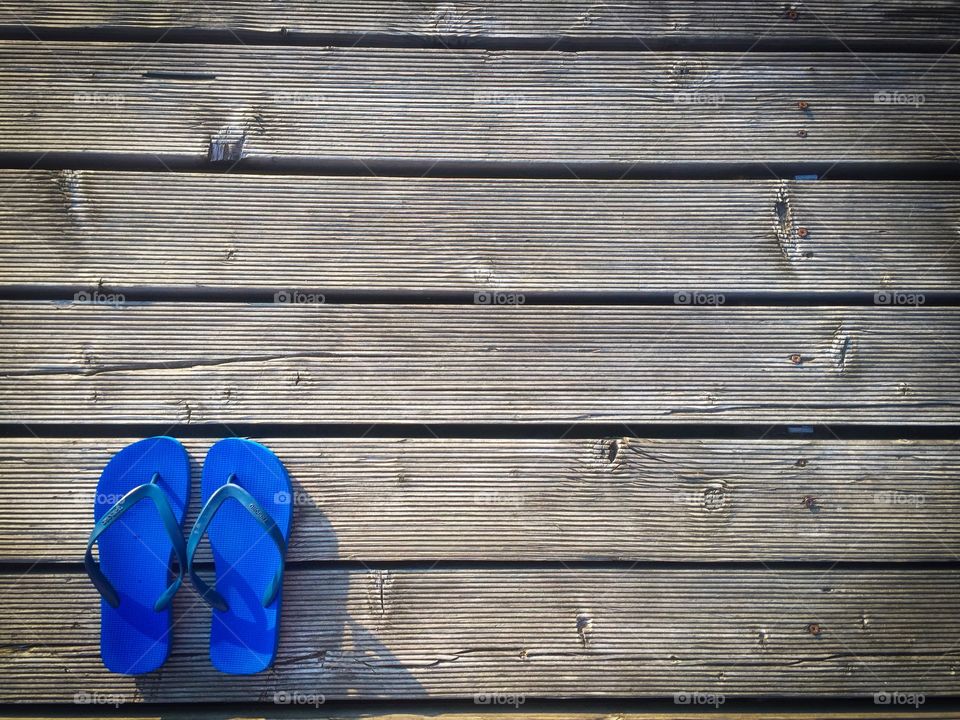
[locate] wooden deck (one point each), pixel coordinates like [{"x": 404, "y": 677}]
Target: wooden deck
[{"x": 613, "y": 348}]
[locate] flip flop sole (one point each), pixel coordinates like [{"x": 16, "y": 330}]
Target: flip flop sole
[
  {"x": 243, "y": 639},
  {"x": 135, "y": 554}
]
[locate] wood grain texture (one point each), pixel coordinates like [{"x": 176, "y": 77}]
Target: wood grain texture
[
  {"x": 382, "y": 499},
  {"x": 558, "y": 633},
  {"x": 452, "y": 631},
  {"x": 357, "y": 106},
  {"x": 450, "y": 22},
  {"x": 124, "y": 231},
  {"x": 299, "y": 362}
]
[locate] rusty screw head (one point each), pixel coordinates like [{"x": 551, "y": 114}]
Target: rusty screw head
[
  {"x": 801, "y": 133},
  {"x": 796, "y": 359},
  {"x": 802, "y": 105},
  {"x": 792, "y": 14},
  {"x": 814, "y": 629},
  {"x": 809, "y": 501},
  {"x": 802, "y": 232}
]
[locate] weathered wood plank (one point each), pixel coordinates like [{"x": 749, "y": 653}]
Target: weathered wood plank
[
  {"x": 532, "y": 500},
  {"x": 641, "y": 21},
  {"x": 122, "y": 231},
  {"x": 356, "y": 106},
  {"x": 559, "y": 633},
  {"x": 300, "y": 362}
]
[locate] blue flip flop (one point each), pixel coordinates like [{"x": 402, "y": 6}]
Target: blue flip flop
[
  {"x": 248, "y": 538},
  {"x": 136, "y": 540}
]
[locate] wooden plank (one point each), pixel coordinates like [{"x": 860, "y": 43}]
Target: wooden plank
[
  {"x": 388, "y": 499},
  {"x": 641, "y": 21},
  {"x": 393, "y": 107},
  {"x": 557, "y": 633},
  {"x": 123, "y": 231},
  {"x": 296, "y": 361}
]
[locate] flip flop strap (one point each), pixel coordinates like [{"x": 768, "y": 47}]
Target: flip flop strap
[
  {"x": 232, "y": 491},
  {"x": 148, "y": 491}
]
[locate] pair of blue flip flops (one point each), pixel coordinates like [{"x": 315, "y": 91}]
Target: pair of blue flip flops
[{"x": 247, "y": 513}]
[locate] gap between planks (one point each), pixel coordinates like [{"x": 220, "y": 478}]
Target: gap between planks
[{"x": 645, "y": 25}]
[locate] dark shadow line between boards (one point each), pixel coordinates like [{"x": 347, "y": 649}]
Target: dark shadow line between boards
[
  {"x": 801, "y": 41},
  {"x": 569, "y": 431},
  {"x": 701, "y": 298},
  {"x": 453, "y": 168}
]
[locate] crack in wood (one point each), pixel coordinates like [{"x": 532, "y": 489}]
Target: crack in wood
[
  {"x": 93, "y": 367},
  {"x": 840, "y": 349},
  {"x": 783, "y": 224}
]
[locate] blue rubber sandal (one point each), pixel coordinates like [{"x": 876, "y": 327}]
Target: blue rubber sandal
[
  {"x": 136, "y": 540},
  {"x": 248, "y": 538}
]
